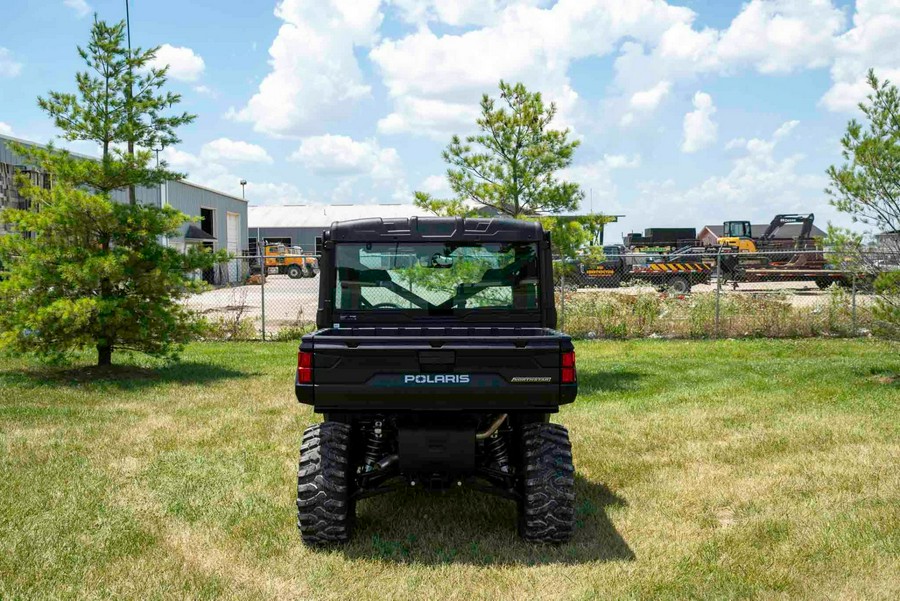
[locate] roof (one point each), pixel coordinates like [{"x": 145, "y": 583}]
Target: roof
[
  {"x": 4, "y": 137},
  {"x": 195, "y": 233},
  {"x": 791, "y": 230},
  {"x": 322, "y": 216},
  {"x": 428, "y": 229}
]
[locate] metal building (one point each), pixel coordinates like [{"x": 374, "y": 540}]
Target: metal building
[
  {"x": 221, "y": 218},
  {"x": 298, "y": 225}
]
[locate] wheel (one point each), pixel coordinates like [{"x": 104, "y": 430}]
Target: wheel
[
  {"x": 823, "y": 283},
  {"x": 680, "y": 285},
  {"x": 325, "y": 510},
  {"x": 294, "y": 272},
  {"x": 547, "y": 487}
]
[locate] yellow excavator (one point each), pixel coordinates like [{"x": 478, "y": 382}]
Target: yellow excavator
[{"x": 738, "y": 234}]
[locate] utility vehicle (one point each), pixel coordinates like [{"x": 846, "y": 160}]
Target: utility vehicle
[{"x": 435, "y": 365}]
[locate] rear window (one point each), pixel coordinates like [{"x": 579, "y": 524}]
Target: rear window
[{"x": 436, "y": 277}]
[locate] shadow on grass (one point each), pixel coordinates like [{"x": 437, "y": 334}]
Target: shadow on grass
[
  {"x": 126, "y": 377},
  {"x": 610, "y": 381},
  {"x": 468, "y": 527}
]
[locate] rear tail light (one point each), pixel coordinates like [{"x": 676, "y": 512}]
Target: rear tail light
[
  {"x": 568, "y": 368},
  {"x": 304, "y": 367}
]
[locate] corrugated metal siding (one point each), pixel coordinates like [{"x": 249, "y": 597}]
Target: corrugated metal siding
[
  {"x": 183, "y": 196},
  {"x": 304, "y": 237},
  {"x": 189, "y": 199}
]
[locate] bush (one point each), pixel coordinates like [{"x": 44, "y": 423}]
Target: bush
[{"x": 649, "y": 314}]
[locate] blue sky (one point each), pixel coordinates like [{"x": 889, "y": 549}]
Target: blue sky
[{"x": 689, "y": 112}]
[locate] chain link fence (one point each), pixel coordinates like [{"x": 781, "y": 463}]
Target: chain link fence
[{"x": 693, "y": 293}]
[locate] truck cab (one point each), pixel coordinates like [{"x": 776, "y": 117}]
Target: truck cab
[{"x": 436, "y": 364}]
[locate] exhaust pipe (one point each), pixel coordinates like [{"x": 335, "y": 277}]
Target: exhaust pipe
[{"x": 493, "y": 428}]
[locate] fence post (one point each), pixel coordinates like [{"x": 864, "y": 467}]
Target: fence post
[
  {"x": 263, "y": 272},
  {"x": 853, "y": 306},
  {"x": 562, "y": 296},
  {"x": 718, "y": 290}
]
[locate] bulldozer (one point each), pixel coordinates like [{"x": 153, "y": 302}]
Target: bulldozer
[{"x": 289, "y": 261}]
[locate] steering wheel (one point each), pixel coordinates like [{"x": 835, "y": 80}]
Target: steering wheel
[{"x": 386, "y": 306}]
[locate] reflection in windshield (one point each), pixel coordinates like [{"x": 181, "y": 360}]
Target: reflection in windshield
[{"x": 437, "y": 277}]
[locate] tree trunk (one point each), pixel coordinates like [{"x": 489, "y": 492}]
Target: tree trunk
[{"x": 104, "y": 355}]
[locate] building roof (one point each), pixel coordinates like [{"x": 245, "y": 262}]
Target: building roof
[
  {"x": 322, "y": 216},
  {"x": 195, "y": 233},
  {"x": 4, "y": 137},
  {"x": 791, "y": 230}
]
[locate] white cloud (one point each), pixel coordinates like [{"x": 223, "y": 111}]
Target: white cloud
[
  {"x": 206, "y": 91},
  {"x": 225, "y": 149},
  {"x": 596, "y": 180},
  {"x": 456, "y": 12},
  {"x": 436, "y": 185},
  {"x": 6, "y": 129},
  {"x": 315, "y": 76},
  {"x": 8, "y": 66},
  {"x": 758, "y": 185},
  {"x": 81, "y": 8},
  {"x": 870, "y": 43},
  {"x": 219, "y": 177},
  {"x": 700, "y": 131},
  {"x": 352, "y": 160},
  {"x": 432, "y": 78},
  {"x": 648, "y": 100},
  {"x": 343, "y": 156},
  {"x": 184, "y": 64},
  {"x": 767, "y": 36}
]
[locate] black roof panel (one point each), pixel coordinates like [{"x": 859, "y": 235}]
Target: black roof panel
[{"x": 424, "y": 229}]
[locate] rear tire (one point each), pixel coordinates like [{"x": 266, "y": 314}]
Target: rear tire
[
  {"x": 325, "y": 510},
  {"x": 294, "y": 272},
  {"x": 547, "y": 487}
]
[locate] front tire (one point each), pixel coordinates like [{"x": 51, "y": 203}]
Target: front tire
[
  {"x": 547, "y": 487},
  {"x": 325, "y": 510}
]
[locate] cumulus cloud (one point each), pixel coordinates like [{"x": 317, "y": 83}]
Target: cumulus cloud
[
  {"x": 315, "y": 75},
  {"x": 871, "y": 42},
  {"x": 648, "y": 100},
  {"x": 6, "y": 129},
  {"x": 757, "y": 185},
  {"x": 8, "y": 66},
  {"x": 225, "y": 149},
  {"x": 81, "y": 8},
  {"x": 596, "y": 179},
  {"x": 350, "y": 160},
  {"x": 184, "y": 64},
  {"x": 436, "y": 185},
  {"x": 341, "y": 155},
  {"x": 700, "y": 131},
  {"x": 433, "y": 77}
]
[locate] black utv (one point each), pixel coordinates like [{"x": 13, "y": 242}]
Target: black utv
[{"x": 435, "y": 365}]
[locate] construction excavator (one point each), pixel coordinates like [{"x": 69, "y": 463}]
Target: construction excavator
[{"x": 739, "y": 235}]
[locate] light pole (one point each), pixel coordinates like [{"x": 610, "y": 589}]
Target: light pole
[{"x": 243, "y": 183}]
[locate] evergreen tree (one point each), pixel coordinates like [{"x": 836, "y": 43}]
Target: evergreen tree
[
  {"x": 509, "y": 167},
  {"x": 82, "y": 270}
]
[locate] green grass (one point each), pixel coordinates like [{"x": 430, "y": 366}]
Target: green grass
[{"x": 705, "y": 469}]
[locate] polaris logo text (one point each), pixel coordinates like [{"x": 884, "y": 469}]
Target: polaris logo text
[{"x": 436, "y": 379}]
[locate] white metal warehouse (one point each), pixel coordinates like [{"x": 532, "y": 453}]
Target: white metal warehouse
[
  {"x": 221, "y": 218},
  {"x": 298, "y": 225}
]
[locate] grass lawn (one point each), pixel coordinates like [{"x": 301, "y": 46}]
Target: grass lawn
[{"x": 705, "y": 469}]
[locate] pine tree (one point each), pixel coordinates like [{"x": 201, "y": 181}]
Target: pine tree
[
  {"x": 82, "y": 270},
  {"x": 509, "y": 167}
]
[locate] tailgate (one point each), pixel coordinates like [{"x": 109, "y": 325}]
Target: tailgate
[{"x": 379, "y": 373}]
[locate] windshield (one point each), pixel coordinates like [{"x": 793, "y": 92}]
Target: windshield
[{"x": 436, "y": 277}]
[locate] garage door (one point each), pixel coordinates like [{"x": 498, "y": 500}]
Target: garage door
[{"x": 233, "y": 244}]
